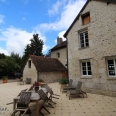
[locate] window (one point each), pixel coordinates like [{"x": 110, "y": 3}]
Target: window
[
  {"x": 83, "y": 36},
  {"x": 111, "y": 67},
  {"x": 29, "y": 63},
  {"x": 86, "y": 68},
  {"x": 58, "y": 55},
  {"x": 86, "y": 18}
]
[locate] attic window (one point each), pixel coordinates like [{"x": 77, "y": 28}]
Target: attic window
[
  {"x": 85, "y": 18},
  {"x": 29, "y": 64},
  {"x": 58, "y": 55}
]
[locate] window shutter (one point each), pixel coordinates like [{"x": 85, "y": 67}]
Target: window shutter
[{"x": 86, "y": 19}]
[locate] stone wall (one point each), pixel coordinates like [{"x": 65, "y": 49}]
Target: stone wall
[
  {"x": 50, "y": 77},
  {"x": 102, "y": 43},
  {"x": 63, "y": 55}
]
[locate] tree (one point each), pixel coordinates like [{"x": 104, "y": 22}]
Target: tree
[
  {"x": 2, "y": 55},
  {"x": 34, "y": 48},
  {"x": 16, "y": 58},
  {"x": 36, "y": 45},
  {"x": 8, "y": 65}
]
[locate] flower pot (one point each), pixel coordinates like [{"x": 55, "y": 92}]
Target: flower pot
[
  {"x": 63, "y": 85},
  {"x": 4, "y": 81},
  {"x": 36, "y": 88},
  {"x": 41, "y": 83}
]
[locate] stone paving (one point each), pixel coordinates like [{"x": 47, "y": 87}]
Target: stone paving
[{"x": 94, "y": 105}]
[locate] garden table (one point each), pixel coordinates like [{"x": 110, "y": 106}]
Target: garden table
[{"x": 34, "y": 98}]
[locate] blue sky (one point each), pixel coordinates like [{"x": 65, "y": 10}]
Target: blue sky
[{"x": 20, "y": 19}]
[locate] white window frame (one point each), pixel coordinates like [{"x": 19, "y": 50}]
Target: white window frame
[
  {"x": 114, "y": 61},
  {"x": 85, "y": 61},
  {"x": 80, "y": 43}
]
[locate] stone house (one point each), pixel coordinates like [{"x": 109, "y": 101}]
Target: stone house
[
  {"x": 91, "y": 45},
  {"x": 60, "y": 51},
  {"x": 45, "y": 68}
]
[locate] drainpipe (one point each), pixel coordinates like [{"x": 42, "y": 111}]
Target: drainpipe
[{"x": 67, "y": 58}]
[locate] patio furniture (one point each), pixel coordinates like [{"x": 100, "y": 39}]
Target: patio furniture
[
  {"x": 35, "y": 98},
  {"x": 23, "y": 103},
  {"x": 45, "y": 100},
  {"x": 52, "y": 95},
  {"x": 68, "y": 87},
  {"x": 28, "y": 81},
  {"x": 31, "y": 88},
  {"x": 77, "y": 91},
  {"x": 17, "y": 96}
]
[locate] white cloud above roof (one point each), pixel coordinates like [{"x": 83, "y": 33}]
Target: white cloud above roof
[
  {"x": 17, "y": 39},
  {"x": 55, "y": 8},
  {"x": 67, "y": 16}
]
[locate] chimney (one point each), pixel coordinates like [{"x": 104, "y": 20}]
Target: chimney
[{"x": 59, "y": 40}]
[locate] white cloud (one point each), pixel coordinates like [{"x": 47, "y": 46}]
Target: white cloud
[
  {"x": 4, "y": 51},
  {"x": 55, "y": 8},
  {"x": 61, "y": 35},
  {"x": 17, "y": 39},
  {"x": 1, "y": 18},
  {"x": 67, "y": 16},
  {"x": 45, "y": 48}
]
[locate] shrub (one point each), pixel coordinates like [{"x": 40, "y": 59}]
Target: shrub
[
  {"x": 40, "y": 80},
  {"x": 63, "y": 80},
  {"x": 4, "y": 78}
]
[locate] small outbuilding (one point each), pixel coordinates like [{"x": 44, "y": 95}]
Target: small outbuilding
[{"x": 45, "y": 68}]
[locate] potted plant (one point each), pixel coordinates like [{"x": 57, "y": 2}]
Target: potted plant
[
  {"x": 5, "y": 79},
  {"x": 36, "y": 84},
  {"x": 63, "y": 81}
]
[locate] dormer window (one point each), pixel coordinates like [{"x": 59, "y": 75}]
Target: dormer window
[
  {"x": 29, "y": 64},
  {"x": 85, "y": 18}
]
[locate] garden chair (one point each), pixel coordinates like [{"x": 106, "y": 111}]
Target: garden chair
[
  {"x": 17, "y": 96},
  {"x": 68, "y": 87},
  {"x": 23, "y": 103},
  {"x": 30, "y": 89},
  {"x": 52, "y": 95},
  {"x": 42, "y": 103},
  {"x": 77, "y": 91},
  {"x": 28, "y": 81}
]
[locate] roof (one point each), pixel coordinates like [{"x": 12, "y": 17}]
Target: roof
[
  {"x": 77, "y": 17},
  {"x": 46, "y": 64},
  {"x": 59, "y": 46}
]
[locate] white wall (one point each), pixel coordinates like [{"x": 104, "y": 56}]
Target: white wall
[{"x": 30, "y": 72}]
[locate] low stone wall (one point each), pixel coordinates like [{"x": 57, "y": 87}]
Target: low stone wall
[
  {"x": 101, "y": 92},
  {"x": 50, "y": 77}
]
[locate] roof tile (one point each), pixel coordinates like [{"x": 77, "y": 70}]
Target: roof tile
[
  {"x": 59, "y": 46},
  {"x": 46, "y": 64}
]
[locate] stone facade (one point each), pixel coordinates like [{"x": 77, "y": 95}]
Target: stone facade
[
  {"x": 102, "y": 46},
  {"x": 63, "y": 55},
  {"x": 48, "y": 77}
]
